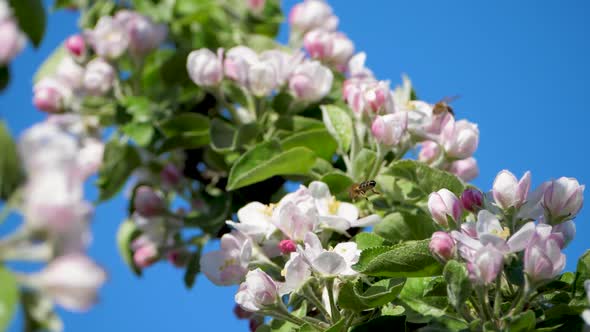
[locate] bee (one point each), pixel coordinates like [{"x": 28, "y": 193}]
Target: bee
[
  {"x": 443, "y": 106},
  {"x": 361, "y": 189}
]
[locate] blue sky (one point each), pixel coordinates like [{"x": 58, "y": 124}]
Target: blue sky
[{"x": 522, "y": 69}]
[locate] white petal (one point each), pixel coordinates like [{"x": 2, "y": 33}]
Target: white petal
[{"x": 329, "y": 263}]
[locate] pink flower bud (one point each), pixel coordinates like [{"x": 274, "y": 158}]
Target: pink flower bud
[
  {"x": 510, "y": 192},
  {"x": 11, "y": 39},
  {"x": 465, "y": 169},
  {"x": 256, "y": 6},
  {"x": 543, "y": 261},
  {"x": 262, "y": 78},
  {"x": 318, "y": 43},
  {"x": 443, "y": 204},
  {"x": 563, "y": 198},
  {"x": 76, "y": 45},
  {"x": 147, "y": 202},
  {"x": 99, "y": 77},
  {"x": 459, "y": 138},
  {"x": 144, "y": 35},
  {"x": 145, "y": 255},
  {"x": 72, "y": 281},
  {"x": 283, "y": 62},
  {"x": 430, "y": 152},
  {"x": 311, "y": 81},
  {"x": 312, "y": 14},
  {"x": 472, "y": 200},
  {"x": 442, "y": 246},
  {"x": 170, "y": 175},
  {"x": 237, "y": 62},
  {"x": 257, "y": 292},
  {"x": 205, "y": 67},
  {"x": 389, "y": 129},
  {"x": 109, "y": 39},
  {"x": 50, "y": 95},
  {"x": 241, "y": 313},
  {"x": 287, "y": 246}
]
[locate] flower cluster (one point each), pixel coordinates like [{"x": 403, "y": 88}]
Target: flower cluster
[
  {"x": 288, "y": 239},
  {"x": 58, "y": 155},
  {"x": 91, "y": 71},
  {"x": 500, "y": 228}
]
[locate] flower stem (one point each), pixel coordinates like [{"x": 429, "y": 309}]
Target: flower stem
[
  {"x": 313, "y": 299},
  {"x": 333, "y": 308},
  {"x": 498, "y": 298}
]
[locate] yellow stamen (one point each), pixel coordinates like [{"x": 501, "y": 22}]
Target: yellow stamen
[
  {"x": 268, "y": 209},
  {"x": 333, "y": 206},
  {"x": 227, "y": 263},
  {"x": 504, "y": 233}
]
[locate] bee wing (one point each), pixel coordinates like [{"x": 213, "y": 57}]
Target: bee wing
[{"x": 449, "y": 99}]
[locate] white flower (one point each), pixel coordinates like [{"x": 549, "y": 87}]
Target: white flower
[
  {"x": 229, "y": 265},
  {"x": 255, "y": 221}
]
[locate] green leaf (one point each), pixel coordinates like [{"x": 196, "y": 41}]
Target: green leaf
[
  {"x": 141, "y": 133},
  {"x": 8, "y": 297},
  {"x": 4, "y": 77},
  {"x": 30, "y": 15},
  {"x": 426, "y": 306},
  {"x": 428, "y": 179},
  {"x": 11, "y": 172},
  {"x": 267, "y": 160},
  {"x": 582, "y": 273},
  {"x": 298, "y": 123},
  {"x": 523, "y": 322},
  {"x": 458, "y": 284},
  {"x": 366, "y": 240},
  {"x": 338, "y": 326},
  {"x": 261, "y": 43},
  {"x": 408, "y": 259},
  {"x": 380, "y": 293},
  {"x": 383, "y": 323},
  {"x": 185, "y": 131},
  {"x": 317, "y": 140},
  {"x": 139, "y": 107},
  {"x": 406, "y": 225},
  {"x": 339, "y": 124},
  {"x": 126, "y": 233},
  {"x": 119, "y": 161},
  {"x": 192, "y": 269},
  {"x": 362, "y": 163},
  {"x": 185, "y": 123},
  {"x": 337, "y": 181},
  {"x": 223, "y": 136}
]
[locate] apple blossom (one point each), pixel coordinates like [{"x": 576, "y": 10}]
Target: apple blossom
[
  {"x": 263, "y": 78},
  {"x": 145, "y": 255},
  {"x": 229, "y": 265},
  {"x": 11, "y": 39},
  {"x": 459, "y": 138},
  {"x": 237, "y": 62},
  {"x": 389, "y": 129},
  {"x": 143, "y": 34},
  {"x": 443, "y": 204},
  {"x": 51, "y": 95},
  {"x": 70, "y": 73},
  {"x": 72, "y": 281},
  {"x": 510, "y": 192},
  {"x": 257, "y": 292},
  {"x": 442, "y": 246},
  {"x": 311, "y": 81},
  {"x": 429, "y": 152},
  {"x": 563, "y": 198},
  {"x": 486, "y": 265},
  {"x": 283, "y": 62},
  {"x": 99, "y": 77},
  {"x": 204, "y": 67},
  {"x": 255, "y": 221},
  {"x": 332, "y": 47},
  {"x": 312, "y": 14},
  {"x": 108, "y": 38},
  {"x": 335, "y": 262},
  {"x": 543, "y": 261},
  {"x": 465, "y": 169},
  {"x": 287, "y": 246}
]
